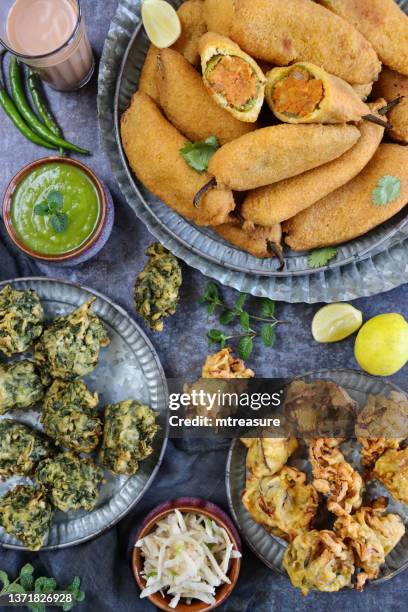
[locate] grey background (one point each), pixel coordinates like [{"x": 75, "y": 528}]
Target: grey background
[{"x": 189, "y": 468}]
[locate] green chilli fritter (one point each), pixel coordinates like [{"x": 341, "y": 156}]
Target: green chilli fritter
[
  {"x": 72, "y": 482},
  {"x": 127, "y": 437},
  {"x": 21, "y": 448},
  {"x": 26, "y": 515},
  {"x": 20, "y": 386},
  {"x": 70, "y": 416},
  {"x": 69, "y": 347},
  {"x": 21, "y": 320}
]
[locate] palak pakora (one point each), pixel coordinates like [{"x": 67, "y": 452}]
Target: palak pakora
[
  {"x": 21, "y": 320},
  {"x": 391, "y": 469},
  {"x": 20, "y": 386},
  {"x": 21, "y": 448},
  {"x": 26, "y": 514}
]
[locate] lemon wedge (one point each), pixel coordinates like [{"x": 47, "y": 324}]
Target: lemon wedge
[
  {"x": 161, "y": 22},
  {"x": 336, "y": 322}
]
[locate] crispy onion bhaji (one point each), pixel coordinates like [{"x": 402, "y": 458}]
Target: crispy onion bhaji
[
  {"x": 70, "y": 345},
  {"x": 199, "y": 116},
  {"x": 282, "y": 32},
  {"x": 391, "y": 469},
  {"x": 127, "y": 437},
  {"x": 26, "y": 514},
  {"x": 371, "y": 535},
  {"x": 261, "y": 242},
  {"x": 147, "y": 82},
  {"x": 382, "y": 22},
  {"x": 278, "y": 152},
  {"x": 283, "y": 503},
  {"x": 157, "y": 287},
  {"x": 266, "y": 456},
  {"x": 152, "y": 146},
  {"x": 381, "y": 425},
  {"x": 72, "y": 482},
  {"x": 390, "y": 86},
  {"x": 280, "y": 201},
  {"x": 70, "y": 416},
  {"x": 193, "y": 26},
  {"x": 21, "y": 448},
  {"x": 334, "y": 477},
  {"x": 20, "y": 386},
  {"x": 21, "y": 320},
  {"x": 349, "y": 212},
  {"x": 233, "y": 79},
  {"x": 224, "y": 365},
  {"x": 319, "y": 560}
]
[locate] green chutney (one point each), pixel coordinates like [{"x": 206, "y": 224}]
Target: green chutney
[{"x": 81, "y": 204}]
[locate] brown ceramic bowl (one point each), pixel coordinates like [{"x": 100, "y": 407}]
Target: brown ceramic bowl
[
  {"x": 199, "y": 506},
  {"x": 92, "y": 244}
]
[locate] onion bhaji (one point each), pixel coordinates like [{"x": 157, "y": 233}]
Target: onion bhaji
[
  {"x": 21, "y": 320},
  {"x": 266, "y": 456},
  {"x": 21, "y": 448},
  {"x": 224, "y": 365},
  {"x": 391, "y": 469},
  {"x": 26, "y": 514},
  {"x": 20, "y": 386}
]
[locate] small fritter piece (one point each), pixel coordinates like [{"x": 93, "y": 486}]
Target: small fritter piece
[
  {"x": 70, "y": 345},
  {"x": 147, "y": 81},
  {"x": 233, "y": 79},
  {"x": 319, "y": 560},
  {"x": 279, "y": 152},
  {"x": 390, "y": 86},
  {"x": 371, "y": 535},
  {"x": 282, "y": 32},
  {"x": 193, "y": 27},
  {"x": 334, "y": 477},
  {"x": 381, "y": 425},
  {"x": 21, "y": 448},
  {"x": 127, "y": 436},
  {"x": 284, "y": 503},
  {"x": 152, "y": 146},
  {"x": 20, "y": 386},
  {"x": 26, "y": 515},
  {"x": 382, "y": 22},
  {"x": 280, "y": 201},
  {"x": 187, "y": 104},
  {"x": 261, "y": 242},
  {"x": 157, "y": 287},
  {"x": 72, "y": 482},
  {"x": 70, "y": 416},
  {"x": 21, "y": 320},
  {"x": 266, "y": 456},
  {"x": 349, "y": 212},
  {"x": 391, "y": 469},
  {"x": 224, "y": 365}
]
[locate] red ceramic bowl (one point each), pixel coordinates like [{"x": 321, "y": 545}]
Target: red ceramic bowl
[{"x": 199, "y": 506}]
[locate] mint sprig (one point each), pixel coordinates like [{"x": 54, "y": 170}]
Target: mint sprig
[{"x": 53, "y": 208}]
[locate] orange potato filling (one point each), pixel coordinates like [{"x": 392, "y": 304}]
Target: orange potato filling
[
  {"x": 298, "y": 94},
  {"x": 233, "y": 78}
]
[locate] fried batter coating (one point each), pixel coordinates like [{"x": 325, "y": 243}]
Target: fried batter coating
[
  {"x": 187, "y": 104},
  {"x": 349, "y": 212},
  {"x": 382, "y": 22},
  {"x": 284, "y": 503},
  {"x": 280, "y": 201},
  {"x": 147, "y": 81},
  {"x": 319, "y": 560},
  {"x": 152, "y": 146},
  {"x": 21, "y": 320},
  {"x": 334, "y": 477},
  {"x": 363, "y": 91},
  {"x": 283, "y": 32},
  {"x": 391, "y": 85},
  {"x": 391, "y": 469},
  {"x": 261, "y": 242},
  {"x": 193, "y": 27},
  {"x": 266, "y": 456},
  {"x": 224, "y": 365},
  {"x": 279, "y": 152}
]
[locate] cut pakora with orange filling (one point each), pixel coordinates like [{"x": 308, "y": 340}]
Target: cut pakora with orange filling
[
  {"x": 266, "y": 456},
  {"x": 233, "y": 78},
  {"x": 319, "y": 560},
  {"x": 193, "y": 26},
  {"x": 392, "y": 85},
  {"x": 283, "y": 503},
  {"x": 391, "y": 469}
]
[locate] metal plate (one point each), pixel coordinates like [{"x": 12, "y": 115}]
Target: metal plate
[
  {"x": 128, "y": 368},
  {"x": 270, "y": 549},
  {"x": 122, "y": 59}
]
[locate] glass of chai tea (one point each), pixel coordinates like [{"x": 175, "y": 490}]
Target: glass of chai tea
[{"x": 50, "y": 36}]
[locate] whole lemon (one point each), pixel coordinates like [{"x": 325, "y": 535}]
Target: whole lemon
[{"x": 381, "y": 347}]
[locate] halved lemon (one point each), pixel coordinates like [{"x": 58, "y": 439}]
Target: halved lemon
[
  {"x": 336, "y": 322},
  {"x": 161, "y": 22}
]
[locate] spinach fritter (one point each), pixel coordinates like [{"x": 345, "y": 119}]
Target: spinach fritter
[
  {"x": 127, "y": 436},
  {"x": 69, "y": 347},
  {"x": 72, "y": 482},
  {"x": 21, "y": 448},
  {"x": 21, "y": 320},
  {"x": 157, "y": 287},
  {"x": 20, "y": 386},
  {"x": 70, "y": 416},
  {"x": 26, "y": 515}
]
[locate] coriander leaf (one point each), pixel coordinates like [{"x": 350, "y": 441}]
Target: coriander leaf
[
  {"x": 321, "y": 257},
  {"x": 41, "y": 209},
  {"x": 45, "y": 585},
  {"x": 55, "y": 200},
  {"x": 244, "y": 321},
  {"x": 267, "y": 307},
  {"x": 4, "y": 579},
  {"x": 387, "y": 190},
  {"x": 245, "y": 347},
  {"x": 227, "y": 317},
  {"x": 268, "y": 335},
  {"x": 198, "y": 154},
  {"x": 240, "y": 301},
  {"x": 59, "y": 222}
]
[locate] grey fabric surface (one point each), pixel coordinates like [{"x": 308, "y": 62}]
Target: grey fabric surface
[{"x": 189, "y": 468}]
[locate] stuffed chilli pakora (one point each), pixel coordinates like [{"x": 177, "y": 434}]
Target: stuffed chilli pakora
[
  {"x": 21, "y": 448},
  {"x": 266, "y": 456},
  {"x": 391, "y": 469},
  {"x": 20, "y": 386},
  {"x": 261, "y": 242},
  {"x": 21, "y": 320},
  {"x": 193, "y": 26},
  {"x": 390, "y": 86},
  {"x": 147, "y": 81},
  {"x": 26, "y": 514}
]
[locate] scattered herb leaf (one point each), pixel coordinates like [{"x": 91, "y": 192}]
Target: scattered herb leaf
[
  {"x": 387, "y": 190},
  {"x": 267, "y": 307},
  {"x": 268, "y": 335},
  {"x": 227, "y": 317},
  {"x": 245, "y": 347},
  {"x": 198, "y": 154},
  {"x": 244, "y": 321},
  {"x": 240, "y": 301},
  {"x": 321, "y": 257},
  {"x": 52, "y": 207}
]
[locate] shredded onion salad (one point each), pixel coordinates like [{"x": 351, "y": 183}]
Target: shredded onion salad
[{"x": 186, "y": 556}]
